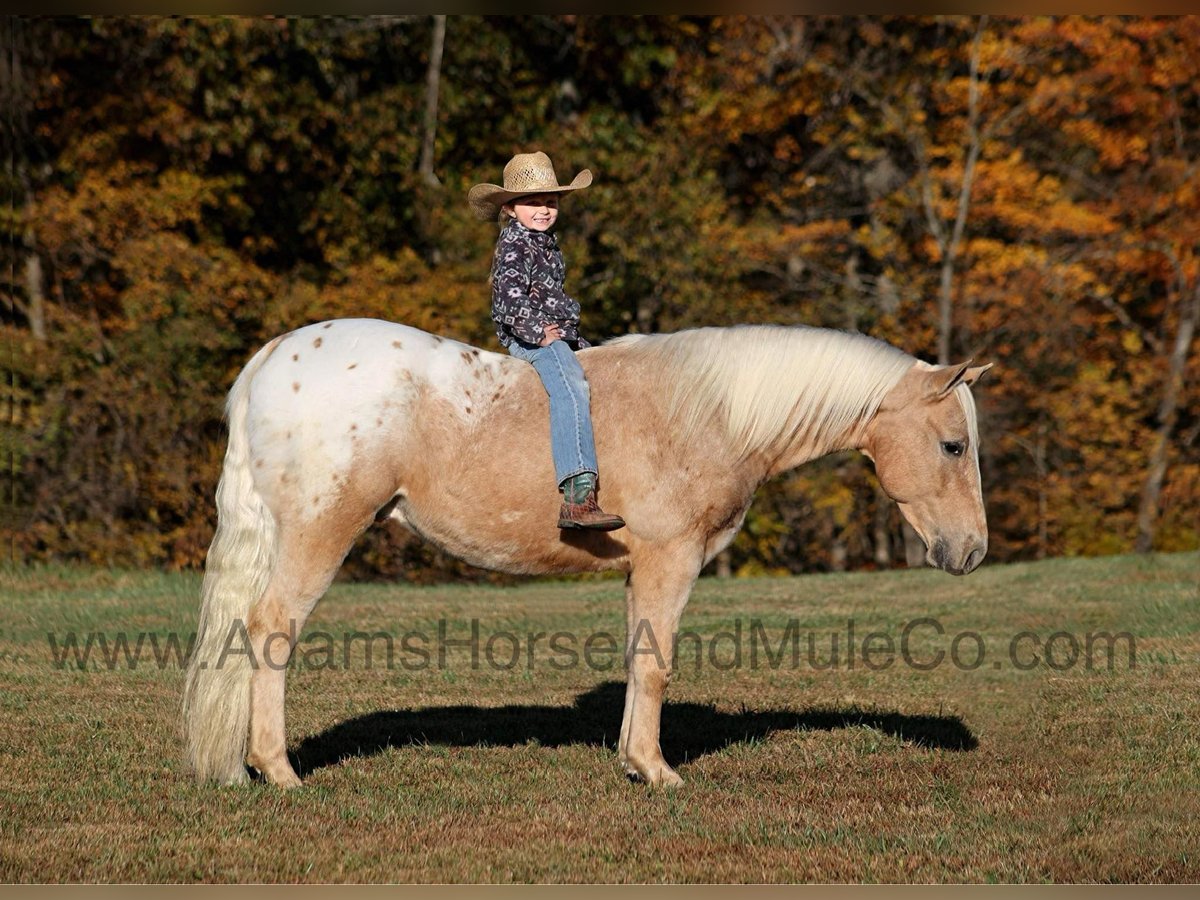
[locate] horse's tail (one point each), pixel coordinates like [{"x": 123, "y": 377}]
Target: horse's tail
[{"x": 216, "y": 697}]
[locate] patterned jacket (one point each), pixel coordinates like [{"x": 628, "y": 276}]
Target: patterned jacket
[{"x": 527, "y": 288}]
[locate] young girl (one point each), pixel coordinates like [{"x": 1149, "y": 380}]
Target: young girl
[{"x": 539, "y": 323}]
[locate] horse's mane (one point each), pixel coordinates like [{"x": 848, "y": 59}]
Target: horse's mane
[{"x": 770, "y": 381}]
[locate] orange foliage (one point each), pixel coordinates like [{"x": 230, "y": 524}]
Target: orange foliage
[{"x": 190, "y": 187}]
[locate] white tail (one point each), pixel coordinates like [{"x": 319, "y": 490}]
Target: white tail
[{"x": 216, "y": 696}]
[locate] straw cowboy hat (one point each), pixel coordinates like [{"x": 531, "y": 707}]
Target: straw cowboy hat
[{"x": 526, "y": 173}]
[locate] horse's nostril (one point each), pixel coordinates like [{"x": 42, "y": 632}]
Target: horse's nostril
[{"x": 973, "y": 560}]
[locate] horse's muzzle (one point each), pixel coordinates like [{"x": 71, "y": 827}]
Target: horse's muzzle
[{"x": 962, "y": 563}]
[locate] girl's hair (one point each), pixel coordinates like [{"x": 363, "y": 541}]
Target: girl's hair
[{"x": 503, "y": 219}]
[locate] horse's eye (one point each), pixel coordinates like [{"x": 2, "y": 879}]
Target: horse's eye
[{"x": 953, "y": 448}]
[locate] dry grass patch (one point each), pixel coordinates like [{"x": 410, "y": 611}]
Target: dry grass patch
[{"x": 1004, "y": 767}]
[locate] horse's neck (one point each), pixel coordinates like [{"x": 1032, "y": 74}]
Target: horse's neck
[
  {"x": 802, "y": 449},
  {"x": 791, "y": 451},
  {"x": 802, "y": 395}
]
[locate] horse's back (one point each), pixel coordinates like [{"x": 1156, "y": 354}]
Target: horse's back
[
  {"x": 368, "y": 407},
  {"x": 331, "y": 394}
]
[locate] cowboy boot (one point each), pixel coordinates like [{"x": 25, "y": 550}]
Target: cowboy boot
[{"x": 580, "y": 509}]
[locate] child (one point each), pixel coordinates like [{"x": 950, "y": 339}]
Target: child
[{"x": 539, "y": 323}]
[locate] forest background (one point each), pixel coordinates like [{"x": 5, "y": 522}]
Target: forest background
[{"x": 1023, "y": 191}]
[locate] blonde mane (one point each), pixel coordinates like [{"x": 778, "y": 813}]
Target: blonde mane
[
  {"x": 769, "y": 382},
  {"x": 967, "y": 399}
]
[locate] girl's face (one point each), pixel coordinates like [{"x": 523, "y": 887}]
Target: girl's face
[{"x": 537, "y": 212}]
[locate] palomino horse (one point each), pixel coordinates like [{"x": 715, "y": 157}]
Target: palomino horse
[{"x": 341, "y": 423}]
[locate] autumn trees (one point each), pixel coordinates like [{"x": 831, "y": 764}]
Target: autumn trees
[{"x": 1019, "y": 190}]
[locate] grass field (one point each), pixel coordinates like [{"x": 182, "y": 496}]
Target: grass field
[{"x": 1061, "y": 755}]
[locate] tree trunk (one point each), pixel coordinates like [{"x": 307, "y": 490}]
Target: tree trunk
[
  {"x": 881, "y": 532},
  {"x": 1037, "y": 452},
  {"x": 1168, "y": 412},
  {"x": 646, "y": 313},
  {"x": 1043, "y": 505},
  {"x": 951, "y": 245},
  {"x": 35, "y": 296},
  {"x": 724, "y": 564},
  {"x": 16, "y": 93},
  {"x": 914, "y": 547},
  {"x": 432, "y": 80},
  {"x": 839, "y": 554}
]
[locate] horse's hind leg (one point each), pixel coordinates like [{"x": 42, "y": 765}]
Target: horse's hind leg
[
  {"x": 306, "y": 563},
  {"x": 657, "y": 593},
  {"x": 630, "y": 685}
]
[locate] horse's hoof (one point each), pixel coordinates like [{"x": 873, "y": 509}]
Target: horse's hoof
[
  {"x": 282, "y": 776},
  {"x": 657, "y": 775},
  {"x": 668, "y": 777},
  {"x": 287, "y": 781}
]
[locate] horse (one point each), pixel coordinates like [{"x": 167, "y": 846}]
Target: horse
[{"x": 347, "y": 422}]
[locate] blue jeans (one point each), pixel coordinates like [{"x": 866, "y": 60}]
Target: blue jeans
[{"x": 571, "y": 440}]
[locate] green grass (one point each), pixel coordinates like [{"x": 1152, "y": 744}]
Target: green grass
[{"x": 995, "y": 772}]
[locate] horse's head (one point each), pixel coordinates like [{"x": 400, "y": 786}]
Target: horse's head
[{"x": 925, "y": 445}]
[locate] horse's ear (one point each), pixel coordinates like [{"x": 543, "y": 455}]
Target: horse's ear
[
  {"x": 947, "y": 378},
  {"x": 974, "y": 373}
]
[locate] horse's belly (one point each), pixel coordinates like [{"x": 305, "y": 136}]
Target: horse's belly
[{"x": 508, "y": 533}]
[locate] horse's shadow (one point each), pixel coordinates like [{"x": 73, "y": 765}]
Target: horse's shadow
[{"x": 690, "y": 730}]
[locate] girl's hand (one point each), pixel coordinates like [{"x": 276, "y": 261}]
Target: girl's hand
[{"x": 552, "y": 333}]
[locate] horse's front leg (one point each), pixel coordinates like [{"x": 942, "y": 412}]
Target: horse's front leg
[{"x": 656, "y": 593}]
